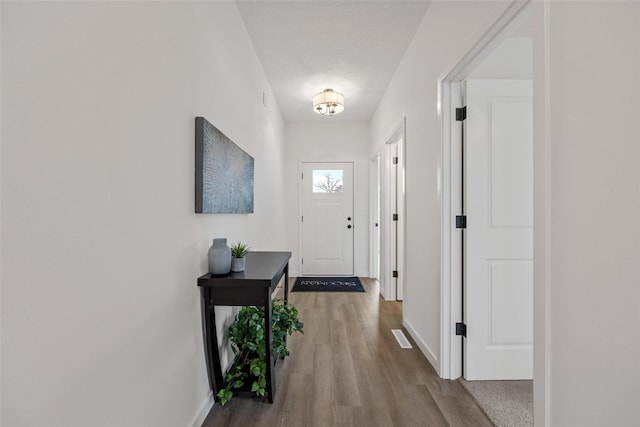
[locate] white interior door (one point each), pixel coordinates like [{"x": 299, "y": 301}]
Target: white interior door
[
  {"x": 400, "y": 191},
  {"x": 395, "y": 207},
  {"x": 375, "y": 217},
  {"x": 498, "y": 292},
  {"x": 392, "y": 217},
  {"x": 327, "y": 219},
  {"x": 392, "y": 238}
]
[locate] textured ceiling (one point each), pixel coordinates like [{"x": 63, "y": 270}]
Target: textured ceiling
[{"x": 353, "y": 47}]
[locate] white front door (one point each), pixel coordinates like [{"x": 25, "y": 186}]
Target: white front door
[
  {"x": 498, "y": 290},
  {"x": 327, "y": 219}
]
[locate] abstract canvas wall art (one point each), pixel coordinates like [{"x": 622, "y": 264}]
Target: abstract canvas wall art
[{"x": 224, "y": 172}]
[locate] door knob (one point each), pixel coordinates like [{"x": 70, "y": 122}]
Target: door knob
[
  {"x": 349, "y": 226},
  {"x": 348, "y": 218}
]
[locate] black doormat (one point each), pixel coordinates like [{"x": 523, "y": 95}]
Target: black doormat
[{"x": 327, "y": 284}]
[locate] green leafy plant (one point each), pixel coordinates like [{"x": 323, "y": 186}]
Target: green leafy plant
[
  {"x": 246, "y": 334},
  {"x": 239, "y": 250}
]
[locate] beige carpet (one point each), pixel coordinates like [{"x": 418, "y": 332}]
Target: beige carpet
[{"x": 506, "y": 403}]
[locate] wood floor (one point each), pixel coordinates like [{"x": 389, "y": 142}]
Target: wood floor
[{"x": 348, "y": 370}]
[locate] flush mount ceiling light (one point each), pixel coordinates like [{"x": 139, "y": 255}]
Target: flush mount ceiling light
[{"x": 328, "y": 102}]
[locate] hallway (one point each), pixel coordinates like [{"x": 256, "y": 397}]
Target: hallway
[{"x": 348, "y": 370}]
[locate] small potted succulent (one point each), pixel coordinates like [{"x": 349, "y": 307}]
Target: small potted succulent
[{"x": 238, "y": 251}]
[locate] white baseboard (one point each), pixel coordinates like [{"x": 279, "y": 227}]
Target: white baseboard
[
  {"x": 206, "y": 406},
  {"x": 431, "y": 357}
]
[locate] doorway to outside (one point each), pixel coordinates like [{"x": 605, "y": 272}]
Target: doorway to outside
[
  {"x": 487, "y": 298},
  {"x": 327, "y": 219}
]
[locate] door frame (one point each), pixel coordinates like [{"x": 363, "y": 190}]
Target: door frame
[
  {"x": 449, "y": 98},
  {"x": 301, "y": 208}
]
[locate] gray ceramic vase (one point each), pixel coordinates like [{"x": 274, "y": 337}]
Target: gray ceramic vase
[{"x": 219, "y": 257}]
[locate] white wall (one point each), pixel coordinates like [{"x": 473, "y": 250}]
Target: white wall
[
  {"x": 587, "y": 305},
  {"x": 436, "y": 48},
  {"x": 101, "y": 248},
  {"x": 329, "y": 142}
]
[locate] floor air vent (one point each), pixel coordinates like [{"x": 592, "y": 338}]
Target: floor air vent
[{"x": 402, "y": 340}]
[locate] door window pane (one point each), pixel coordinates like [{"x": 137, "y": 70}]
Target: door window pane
[{"x": 327, "y": 181}]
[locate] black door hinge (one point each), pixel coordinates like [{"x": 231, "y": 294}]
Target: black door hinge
[
  {"x": 461, "y": 329},
  {"x": 461, "y": 114},
  {"x": 395, "y": 160},
  {"x": 395, "y": 217},
  {"x": 395, "y": 273},
  {"x": 461, "y": 221}
]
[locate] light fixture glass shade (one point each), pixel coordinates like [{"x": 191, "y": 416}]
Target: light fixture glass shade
[{"x": 328, "y": 102}]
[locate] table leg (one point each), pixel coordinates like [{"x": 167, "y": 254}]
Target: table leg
[
  {"x": 286, "y": 284},
  {"x": 286, "y": 298},
  {"x": 212, "y": 354},
  {"x": 271, "y": 381}
]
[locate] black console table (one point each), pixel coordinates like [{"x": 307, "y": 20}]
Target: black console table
[{"x": 253, "y": 286}]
